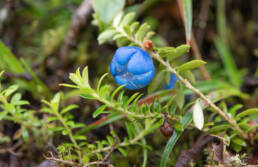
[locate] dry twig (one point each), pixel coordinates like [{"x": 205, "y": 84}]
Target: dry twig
[
  {"x": 79, "y": 19},
  {"x": 186, "y": 156},
  {"x": 12, "y": 149}
]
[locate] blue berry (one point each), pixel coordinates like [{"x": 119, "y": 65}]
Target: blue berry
[
  {"x": 132, "y": 67},
  {"x": 172, "y": 82}
]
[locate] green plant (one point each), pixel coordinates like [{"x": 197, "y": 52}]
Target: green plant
[{"x": 91, "y": 122}]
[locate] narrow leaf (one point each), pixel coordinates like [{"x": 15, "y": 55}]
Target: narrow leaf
[
  {"x": 127, "y": 20},
  {"x": 228, "y": 62},
  {"x": 106, "y": 35},
  {"x": 188, "y": 18},
  {"x": 122, "y": 151},
  {"x": 190, "y": 65},
  {"x": 68, "y": 108},
  {"x": 252, "y": 111},
  {"x": 99, "y": 111},
  {"x": 142, "y": 31},
  {"x": 117, "y": 19},
  {"x": 180, "y": 98},
  {"x": 198, "y": 117}
]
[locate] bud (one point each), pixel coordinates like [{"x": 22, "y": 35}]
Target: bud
[{"x": 166, "y": 129}]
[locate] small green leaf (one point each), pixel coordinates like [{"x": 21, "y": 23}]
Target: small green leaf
[
  {"x": 85, "y": 96},
  {"x": 123, "y": 41},
  {"x": 69, "y": 108},
  {"x": 117, "y": 36},
  {"x": 80, "y": 137},
  {"x": 25, "y": 134},
  {"x": 142, "y": 31},
  {"x": 172, "y": 53},
  {"x": 104, "y": 91},
  {"x": 75, "y": 79},
  {"x": 134, "y": 26},
  {"x": 116, "y": 91},
  {"x": 117, "y": 19},
  {"x": 79, "y": 125},
  {"x": 218, "y": 128},
  {"x": 190, "y": 65},
  {"x": 252, "y": 111},
  {"x": 148, "y": 35},
  {"x": 182, "y": 49},
  {"x": 178, "y": 126},
  {"x": 55, "y": 102},
  {"x": 55, "y": 129},
  {"x": 3, "y": 114},
  {"x": 100, "y": 81},
  {"x": 50, "y": 119},
  {"x": 1, "y": 73},
  {"x": 127, "y": 20},
  {"x": 130, "y": 130},
  {"x": 68, "y": 85},
  {"x": 10, "y": 90},
  {"x": 122, "y": 151},
  {"x": 234, "y": 109},
  {"x": 189, "y": 76},
  {"x": 127, "y": 30},
  {"x": 239, "y": 141},
  {"x": 85, "y": 76},
  {"x": 198, "y": 117},
  {"x": 132, "y": 98},
  {"x": 64, "y": 132},
  {"x": 87, "y": 91},
  {"x": 106, "y": 35},
  {"x": 111, "y": 141},
  {"x": 99, "y": 156},
  {"x": 179, "y": 92},
  {"x": 236, "y": 147},
  {"x": 166, "y": 51},
  {"x": 99, "y": 111}
]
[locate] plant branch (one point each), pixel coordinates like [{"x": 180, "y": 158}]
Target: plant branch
[
  {"x": 70, "y": 135},
  {"x": 200, "y": 94},
  {"x": 125, "y": 110},
  {"x": 186, "y": 83},
  {"x": 123, "y": 144}
]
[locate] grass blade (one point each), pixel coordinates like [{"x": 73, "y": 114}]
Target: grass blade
[{"x": 187, "y": 5}]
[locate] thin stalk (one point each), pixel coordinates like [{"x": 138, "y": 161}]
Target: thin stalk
[{"x": 70, "y": 135}]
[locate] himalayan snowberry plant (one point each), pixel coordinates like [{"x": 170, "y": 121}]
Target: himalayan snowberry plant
[
  {"x": 174, "y": 101},
  {"x": 150, "y": 98}
]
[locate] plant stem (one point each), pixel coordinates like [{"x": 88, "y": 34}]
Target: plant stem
[
  {"x": 123, "y": 144},
  {"x": 125, "y": 110},
  {"x": 70, "y": 135},
  {"x": 200, "y": 94}
]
